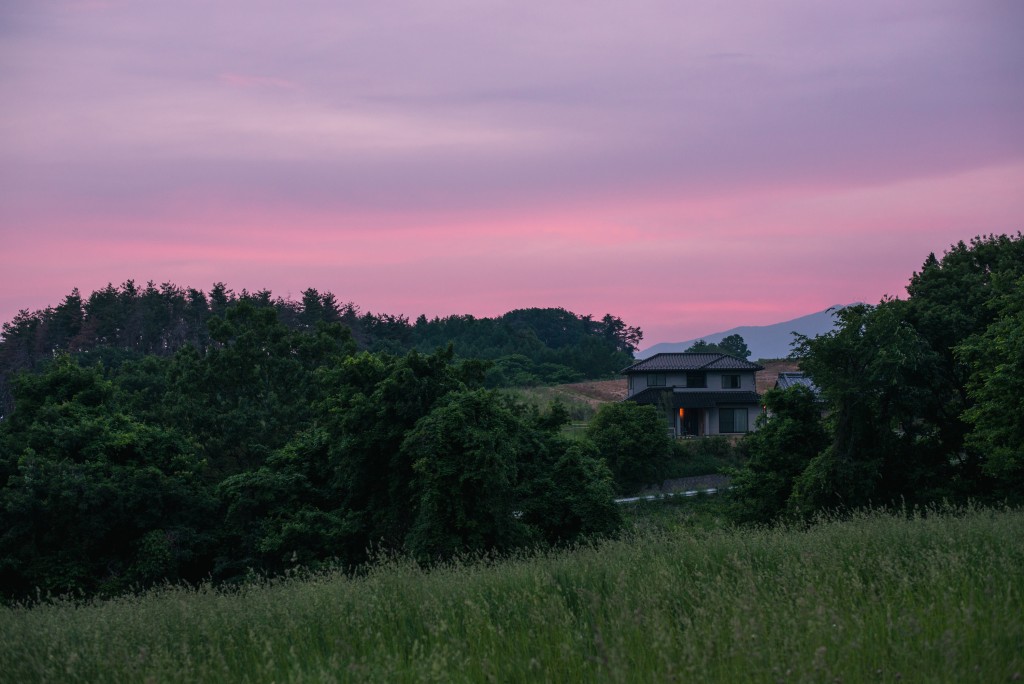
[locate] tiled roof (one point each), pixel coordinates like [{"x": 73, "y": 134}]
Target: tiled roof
[
  {"x": 787, "y": 380},
  {"x": 691, "y": 361},
  {"x": 690, "y": 399}
]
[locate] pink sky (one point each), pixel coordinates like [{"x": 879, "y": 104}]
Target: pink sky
[{"x": 689, "y": 167}]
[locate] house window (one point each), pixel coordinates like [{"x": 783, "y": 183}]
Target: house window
[
  {"x": 696, "y": 380},
  {"x": 656, "y": 380},
  {"x": 732, "y": 420},
  {"x": 630, "y": 383},
  {"x": 730, "y": 382}
]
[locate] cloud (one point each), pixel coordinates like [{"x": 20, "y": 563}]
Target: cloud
[
  {"x": 465, "y": 142},
  {"x": 248, "y": 81}
]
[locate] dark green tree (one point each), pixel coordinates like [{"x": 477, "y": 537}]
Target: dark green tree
[
  {"x": 464, "y": 456},
  {"x": 254, "y": 389},
  {"x": 875, "y": 372},
  {"x": 633, "y": 440},
  {"x": 788, "y": 437},
  {"x": 704, "y": 346},
  {"x": 288, "y": 512},
  {"x": 996, "y": 389},
  {"x": 735, "y": 345},
  {"x": 93, "y": 499},
  {"x": 494, "y": 474},
  {"x": 566, "y": 491},
  {"x": 64, "y": 323},
  {"x": 371, "y": 402}
]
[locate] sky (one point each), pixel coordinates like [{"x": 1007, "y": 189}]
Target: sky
[{"x": 689, "y": 166}]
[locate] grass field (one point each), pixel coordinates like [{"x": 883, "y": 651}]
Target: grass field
[{"x": 927, "y": 598}]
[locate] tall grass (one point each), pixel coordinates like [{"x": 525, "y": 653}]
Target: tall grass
[
  {"x": 704, "y": 456},
  {"x": 879, "y": 597},
  {"x": 542, "y": 396}
]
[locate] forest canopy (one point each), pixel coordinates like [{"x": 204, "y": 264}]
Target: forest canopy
[
  {"x": 173, "y": 435},
  {"x": 270, "y": 447},
  {"x": 923, "y": 397},
  {"x": 127, "y": 322}
]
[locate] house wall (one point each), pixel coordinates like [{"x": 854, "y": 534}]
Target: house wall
[
  {"x": 714, "y": 381},
  {"x": 711, "y": 420}
]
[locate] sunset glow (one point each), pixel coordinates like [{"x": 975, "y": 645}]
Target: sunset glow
[{"x": 686, "y": 166}]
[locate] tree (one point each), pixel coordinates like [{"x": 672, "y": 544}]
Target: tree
[
  {"x": 703, "y": 346},
  {"x": 951, "y": 302},
  {"x": 996, "y": 387},
  {"x": 789, "y": 435},
  {"x": 288, "y": 512},
  {"x": 64, "y": 322},
  {"x": 633, "y": 440},
  {"x": 93, "y": 499},
  {"x": 626, "y": 338},
  {"x": 876, "y": 373},
  {"x": 923, "y": 394},
  {"x": 464, "y": 456},
  {"x": 371, "y": 402},
  {"x": 566, "y": 491},
  {"x": 733, "y": 345}
]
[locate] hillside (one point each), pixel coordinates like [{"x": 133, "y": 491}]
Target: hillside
[
  {"x": 765, "y": 341},
  {"x": 882, "y": 598},
  {"x": 604, "y": 391},
  {"x": 766, "y": 378}
]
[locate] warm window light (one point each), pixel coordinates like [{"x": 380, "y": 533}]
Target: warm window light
[{"x": 682, "y": 412}]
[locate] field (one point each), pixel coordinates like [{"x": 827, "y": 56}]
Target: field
[{"x": 918, "y": 598}]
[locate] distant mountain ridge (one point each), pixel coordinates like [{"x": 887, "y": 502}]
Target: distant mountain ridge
[{"x": 765, "y": 341}]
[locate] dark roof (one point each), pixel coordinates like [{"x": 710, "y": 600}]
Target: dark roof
[
  {"x": 689, "y": 399},
  {"x": 787, "y": 380},
  {"x": 690, "y": 361}
]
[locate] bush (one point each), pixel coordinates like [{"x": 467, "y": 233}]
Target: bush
[
  {"x": 706, "y": 456},
  {"x": 632, "y": 440}
]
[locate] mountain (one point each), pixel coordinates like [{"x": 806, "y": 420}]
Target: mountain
[{"x": 765, "y": 341}]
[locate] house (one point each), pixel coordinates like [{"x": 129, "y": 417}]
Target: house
[{"x": 700, "y": 393}]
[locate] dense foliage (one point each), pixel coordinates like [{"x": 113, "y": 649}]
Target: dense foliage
[
  {"x": 167, "y": 435},
  {"x": 922, "y": 396},
  {"x": 633, "y": 441},
  {"x": 789, "y": 435},
  {"x": 525, "y": 347},
  {"x": 733, "y": 345},
  {"x": 273, "y": 446}
]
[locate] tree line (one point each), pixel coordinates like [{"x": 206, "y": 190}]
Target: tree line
[
  {"x": 733, "y": 345},
  {"x": 117, "y": 323},
  {"x": 275, "y": 446},
  {"x": 278, "y": 437}
]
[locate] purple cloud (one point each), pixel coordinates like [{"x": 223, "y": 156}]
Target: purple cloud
[{"x": 683, "y": 127}]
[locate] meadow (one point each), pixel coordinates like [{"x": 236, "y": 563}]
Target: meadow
[{"x": 928, "y": 597}]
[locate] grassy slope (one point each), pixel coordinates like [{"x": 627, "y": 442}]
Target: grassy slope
[
  {"x": 877, "y": 598},
  {"x": 594, "y": 393},
  {"x": 597, "y": 392}
]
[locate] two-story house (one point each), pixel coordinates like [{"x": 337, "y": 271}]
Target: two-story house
[{"x": 700, "y": 393}]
